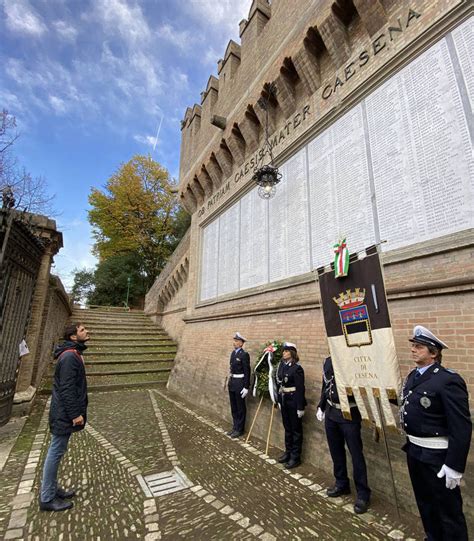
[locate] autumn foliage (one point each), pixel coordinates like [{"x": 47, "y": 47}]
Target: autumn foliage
[{"x": 137, "y": 213}]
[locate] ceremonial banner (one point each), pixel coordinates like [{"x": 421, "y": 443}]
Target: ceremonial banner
[{"x": 360, "y": 336}]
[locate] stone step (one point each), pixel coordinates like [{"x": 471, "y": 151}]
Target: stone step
[
  {"x": 111, "y": 366},
  {"x": 120, "y": 378},
  {"x": 120, "y": 322},
  {"x": 107, "y": 359},
  {"x": 102, "y": 362},
  {"x": 112, "y": 320},
  {"x": 118, "y": 371},
  {"x": 107, "y": 326},
  {"x": 131, "y": 353},
  {"x": 125, "y": 379},
  {"x": 117, "y": 311},
  {"x": 127, "y": 348},
  {"x": 107, "y": 387},
  {"x": 132, "y": 340},
  {"x": 125, "y": 335}
]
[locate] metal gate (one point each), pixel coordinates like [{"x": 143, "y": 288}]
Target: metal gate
[{"x": 20, "y": 260}]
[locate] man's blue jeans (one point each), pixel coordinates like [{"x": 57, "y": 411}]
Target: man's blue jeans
[{"x": 49, "y": 484}]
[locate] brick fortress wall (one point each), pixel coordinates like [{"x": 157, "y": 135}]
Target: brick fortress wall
[{"x": 308, "y": 49}]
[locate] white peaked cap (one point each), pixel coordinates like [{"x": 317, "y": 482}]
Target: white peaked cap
[
  {"x": 424, "y": 336},
  {"x": 238, "y": 336},
  {"x": 289, "y": 345}
]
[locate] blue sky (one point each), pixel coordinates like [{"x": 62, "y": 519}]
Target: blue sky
[{"x": 89, "y": 82}]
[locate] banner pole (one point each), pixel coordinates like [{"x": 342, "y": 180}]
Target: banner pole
[
  {"x": 387, "y": 454},
  {"x": 270, "y": 429},
  {"x": 254, "y": 419}
]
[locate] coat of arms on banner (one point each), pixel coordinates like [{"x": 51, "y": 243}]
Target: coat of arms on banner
[
  {"x": 354, "y": 317},
  {"x": 360, "y": 336}
]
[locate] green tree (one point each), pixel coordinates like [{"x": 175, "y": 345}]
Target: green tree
[
  {"x": 83, "y": 285},
  {"x": 137, "y": 213},
  {"x": 111, "y": 282}
]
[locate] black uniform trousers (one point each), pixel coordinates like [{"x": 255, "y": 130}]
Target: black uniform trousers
[
  {"x": 238, "y": 409},
  {"x": 440, "y": 508},
  {"x": 337, "y": 434},
  {"x": 293, "y": 427}
]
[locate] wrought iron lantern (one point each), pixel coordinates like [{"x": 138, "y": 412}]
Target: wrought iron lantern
[{"x": 267, "y": 176}]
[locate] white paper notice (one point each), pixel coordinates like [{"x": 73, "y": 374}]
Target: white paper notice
[{"x": 23, "y": 348}]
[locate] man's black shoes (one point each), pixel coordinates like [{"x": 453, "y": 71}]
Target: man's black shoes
[
  {"x": 335, "y": 492},
  {"x": 64, "y": 494},
  {"x": 292, "y": 464},
  {"x": 236, "y": 434},
  {"x": 361, "y": 506},
  {"x": 285, "y": 457},
  {"x": 55, "y": 505},
  {"x": 231, "y": 431}
]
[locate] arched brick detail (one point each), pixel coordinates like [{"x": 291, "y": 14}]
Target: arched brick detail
[
  {"x": 336, "y": 39},
  {"x": 372, "y": 14}
]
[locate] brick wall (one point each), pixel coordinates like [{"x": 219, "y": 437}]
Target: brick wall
[{"x": 56, "y": 312}]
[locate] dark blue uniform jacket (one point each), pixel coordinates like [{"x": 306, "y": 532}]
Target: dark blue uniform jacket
[
  {"x": 329, "y": 393},
  {"x": 239, "y": 364},
  {"x": 437, "y": 404},
  {"x": 292, "y": 375}
]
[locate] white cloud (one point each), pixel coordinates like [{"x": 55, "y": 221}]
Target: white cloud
[
  {"x": 58, "y": 105},
  {"x": 21, "y": 18},
  {"x": 179, "y": 79},
  {"x": 225, "y": 13},
  {"x": 211, "y": 56},
  {"x": 148, "y": 140},
  {"x": 65, "y": 31},
  {"x": 11, "y": 102},
  {"x": 118, "y": 17},
  {"x": 182, "y": 39}
]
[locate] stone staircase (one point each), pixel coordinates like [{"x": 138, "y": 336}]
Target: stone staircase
[{"x": 126, "y": 349}]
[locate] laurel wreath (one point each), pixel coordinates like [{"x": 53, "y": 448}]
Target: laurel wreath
[{"x": 262, "y": 370}]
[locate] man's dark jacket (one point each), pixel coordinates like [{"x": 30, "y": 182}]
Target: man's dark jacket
[{"x": 69, "y": 397}]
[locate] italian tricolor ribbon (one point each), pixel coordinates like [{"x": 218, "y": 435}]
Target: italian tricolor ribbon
[{"x": 341, "y": 259}]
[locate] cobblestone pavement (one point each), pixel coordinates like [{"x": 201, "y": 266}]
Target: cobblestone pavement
[{"x": 230, "y": 489}]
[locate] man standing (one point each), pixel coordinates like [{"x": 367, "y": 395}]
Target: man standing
[
  {"x": 239, "y": 383},
  {"x": 436, "y": 418},
  {"x": 340, "y": 431},
  {"x": 68, "y": 413}
]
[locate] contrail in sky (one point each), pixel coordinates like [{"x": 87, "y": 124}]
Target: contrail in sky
[{"x": 158, "y": 132}]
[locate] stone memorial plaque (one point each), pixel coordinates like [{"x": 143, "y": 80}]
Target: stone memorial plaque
[
  {"x": 229, "y": 242},
  {"x": 289, "y": 222},
  {"x": 421, "y": 152},
  {"x": 210, "y": 247},
  {"x": 254, "y": 240},
  {"x": 463, "y": 37},
  {"x": 341, "y": 203}
]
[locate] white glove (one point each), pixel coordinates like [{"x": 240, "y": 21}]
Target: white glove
[
  {"x": 244, "y": 392},
  {"x": 320, "y": 415},
  {"x": 300, "y": 413},
  {"x": 453, "y": 477}
]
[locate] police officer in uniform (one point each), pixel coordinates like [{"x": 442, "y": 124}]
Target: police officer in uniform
[
  {"x": 290, "y": 380},
  {"x": 435, "y": 416},
  {"x": 239, "y": 383},
  {"x": 340, "y": 431}
]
